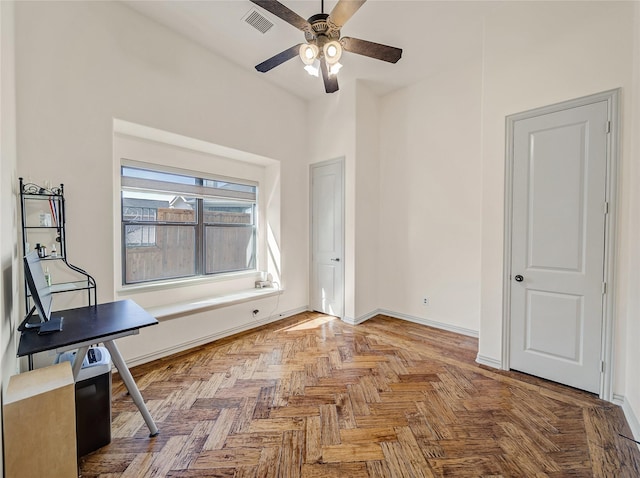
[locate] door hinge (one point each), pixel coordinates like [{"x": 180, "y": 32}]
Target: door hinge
[
  {"x": 608, "y": 127},
  {"x": 604, "y": 288},
  {"x": 606, "y": 207},
  {"x": 602, "y": 366}
]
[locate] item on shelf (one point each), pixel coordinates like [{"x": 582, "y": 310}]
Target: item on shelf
[
  {"x": 54, "y": 251},
  {"x": 45, "y": 219},
  {"x": 47, "y": 276}
]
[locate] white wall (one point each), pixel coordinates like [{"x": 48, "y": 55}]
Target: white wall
[
  {"x": 9, "y": 303},
  {"x": 430, "y": 198},
  {"x": 82, "y": 64},
  {"x": 367, "y": 199}
]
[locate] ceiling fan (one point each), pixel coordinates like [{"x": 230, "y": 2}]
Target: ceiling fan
[{"x": 324, "y": 46}]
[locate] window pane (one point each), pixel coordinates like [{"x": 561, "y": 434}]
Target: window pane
[
  {"x": 228, "y": 212},
  {"x": 139, "y": 236},
  {"x": 163, "y": 182},
  {"x": 159, "y": 252},
  {"x": 140, "y": 206},
  {"x": 225, "y": 185},
  {"x": 129, "y": 172},
  {"x": 230, "y": 248}
]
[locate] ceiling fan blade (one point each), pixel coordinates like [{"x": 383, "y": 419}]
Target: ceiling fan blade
[
  {"x": 286, "y": 14},
  {"x": 371, "y": 49},
  {"x": 330, "y": 82},
  {"x": 343, "y": 11},
  {"x": 278, "y": 59}
]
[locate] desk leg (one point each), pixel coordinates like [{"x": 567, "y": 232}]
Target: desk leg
[
  {"x": 77, "y": 363},
  {"x": 131, "y": 385}
]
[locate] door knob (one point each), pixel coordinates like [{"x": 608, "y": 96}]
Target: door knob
[
  {"x": 335, "y": 259},
  {"x": 519, "y": 278}
]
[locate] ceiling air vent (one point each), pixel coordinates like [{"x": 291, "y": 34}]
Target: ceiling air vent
[{"x": 257, "y": 21}]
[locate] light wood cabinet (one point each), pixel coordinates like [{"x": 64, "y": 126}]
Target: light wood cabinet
[{"x": 40, "y": 424}]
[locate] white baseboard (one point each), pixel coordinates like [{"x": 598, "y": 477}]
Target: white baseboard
[
  {"x": 629, "y": 414},
  {"x": 411, "y": 318},
  {"x": 210, "y": 338},
  {"x": 488, "y": 361},
  {"x": 362, "y": 318},
  {"x": 430, "y": 323},
  {"x": 618, "y": 399}
]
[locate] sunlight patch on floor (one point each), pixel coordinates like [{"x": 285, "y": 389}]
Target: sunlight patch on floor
[{"x": 311, "y": 324}]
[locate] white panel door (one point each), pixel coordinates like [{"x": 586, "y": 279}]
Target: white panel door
[
  {"x": 327, "y": 236},
  {"x": 558, "y": 230}
]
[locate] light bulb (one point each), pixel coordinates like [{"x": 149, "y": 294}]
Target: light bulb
[
  {"x": 308, "y": 53},
  {"x": 332, "y": 51}
]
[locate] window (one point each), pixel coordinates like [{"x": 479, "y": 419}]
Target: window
[{"x": 179, "y": 226}]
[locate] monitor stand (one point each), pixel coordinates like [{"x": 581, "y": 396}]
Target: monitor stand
[
  {"x": 52, "y": 325},
  {"x": 27, "y": 324}
]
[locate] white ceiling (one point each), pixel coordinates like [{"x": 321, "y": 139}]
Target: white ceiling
[{"x": 432, "y": 34}]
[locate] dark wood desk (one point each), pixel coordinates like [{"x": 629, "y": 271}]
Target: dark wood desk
[{"x": 85, "y": 326}]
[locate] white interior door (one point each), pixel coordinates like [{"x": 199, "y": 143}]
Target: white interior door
[
  {"x": 327, "y": 236},
  {"x": 557, "y": 244}
]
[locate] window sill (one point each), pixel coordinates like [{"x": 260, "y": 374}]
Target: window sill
[
  {"x": 199, "y": 305},
  {"x": 172, "y": 284}
]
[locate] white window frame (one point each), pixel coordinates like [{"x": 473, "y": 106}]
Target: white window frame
[{"x": 201, "y": 194}]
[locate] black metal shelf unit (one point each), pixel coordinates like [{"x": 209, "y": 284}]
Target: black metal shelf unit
[{"x": 43, "y": 219}]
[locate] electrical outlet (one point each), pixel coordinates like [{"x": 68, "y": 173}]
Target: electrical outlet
[{"x": 425, "y": 301}]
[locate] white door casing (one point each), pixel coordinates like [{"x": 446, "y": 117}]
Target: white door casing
[
  {"x": 557, "y": 269},
  {"x": 327, "y": 238}
]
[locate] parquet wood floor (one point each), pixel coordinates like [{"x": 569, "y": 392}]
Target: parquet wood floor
[{"x": 311, "y": 396}]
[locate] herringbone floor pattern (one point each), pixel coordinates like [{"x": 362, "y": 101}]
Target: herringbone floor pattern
[{"x": 311, "y": 396}]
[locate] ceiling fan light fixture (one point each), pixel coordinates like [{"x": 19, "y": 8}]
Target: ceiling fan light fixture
[
  {"x": 324, "y": 44},
  {"x": 335, "y": 68},
  {"x": 313, "y": 68},
  {"x": 308, "y": 53},
  {"x": 332, "y": 52}
]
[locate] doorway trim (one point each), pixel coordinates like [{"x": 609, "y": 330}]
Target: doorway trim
[
  {"x": 341, "y": 162},
  {"x": 612, "y": 98}
]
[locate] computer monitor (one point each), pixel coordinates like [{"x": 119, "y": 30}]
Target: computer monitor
[{"x": 40, "y": 293}]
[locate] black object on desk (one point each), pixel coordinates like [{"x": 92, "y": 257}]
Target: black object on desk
[
  {"x": 51, "y": 326},
  {"x": 85, "y": 326}
]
